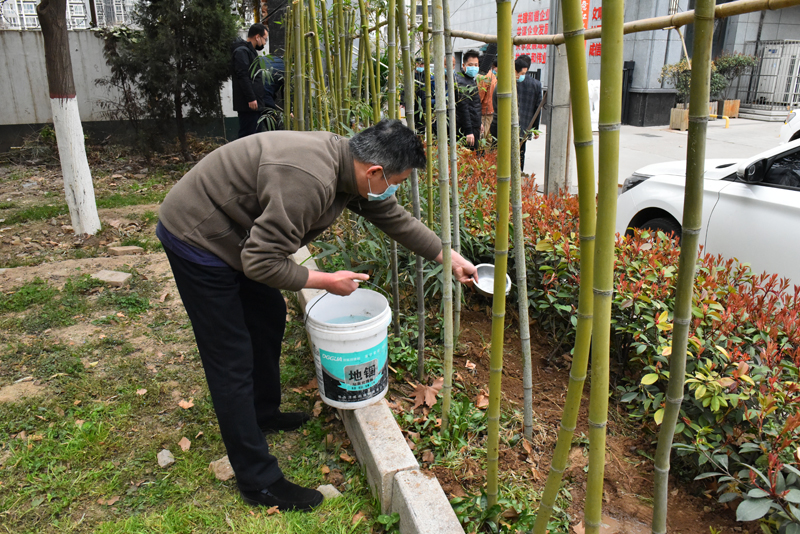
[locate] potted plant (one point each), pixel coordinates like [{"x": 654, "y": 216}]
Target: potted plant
[
  {"x": 680, "y": 76},
  {"x": 730, "y": 67}
]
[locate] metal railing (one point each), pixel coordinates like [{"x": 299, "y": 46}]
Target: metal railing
[{"x": 774, "y": 83}]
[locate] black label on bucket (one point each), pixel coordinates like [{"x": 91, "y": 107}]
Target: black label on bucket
[{"x": 355, "y": 376}]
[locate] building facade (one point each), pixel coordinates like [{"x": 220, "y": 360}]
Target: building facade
[
  {"x": 774, "y": 83},
  {"x": 21, "y": 14}
]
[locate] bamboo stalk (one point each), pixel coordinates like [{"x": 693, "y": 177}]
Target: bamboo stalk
[
  {"x": 311, "y": 88},
  {"x": 299, "y": 97},
  {"x": 330, "y": 65},
  {"x": 376, "y": 95},
  {"x": 343, "y": 64},
  {"x": 319, "y": 77},
  {"x": 444, "y": 202},
  {"x": 410, "y": 95},
  {"x": 391, "y": 91},
  {"x": 505, "y": 71},
  {"x": 610, "y": 120},
  {"x": 731, "y": 9},
  {"x": 451, "y": 112},
  {"x": 288, "y": 66},
  {"x": 367, "y": 54},
  {"x": 359, "y": 71},
  {"x": 581, "y": 118},
  {"x": 426, "y": 57},
  {"x": 522, "y": 277},
  {"x": 690, "y": 240}
]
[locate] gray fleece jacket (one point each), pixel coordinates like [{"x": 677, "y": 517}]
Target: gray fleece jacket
[{"x": 255, "y": 201}]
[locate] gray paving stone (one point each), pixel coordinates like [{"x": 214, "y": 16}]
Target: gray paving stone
[
  {"x": 112, "y": 278},
  {"x": 124, "y": 251},
  {"x": 422, "y": 505},
  {"x": 380, "y": 447}
]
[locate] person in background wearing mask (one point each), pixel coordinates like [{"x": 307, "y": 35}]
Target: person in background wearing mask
[
  {"x": 419, "y": 96},
  {"x": 536, "y": 87},
  {"x": 527, "y": 103},
  {"x": 468, "y": 100},
  {"x": 248, "y": 91},
  {"x": 486, "y": 85},
  {"x": 228, "y": 228}
]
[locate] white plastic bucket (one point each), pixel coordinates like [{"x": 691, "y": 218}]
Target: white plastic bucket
[{"x": 348, "y": 339}]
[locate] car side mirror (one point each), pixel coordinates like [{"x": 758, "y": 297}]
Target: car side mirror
[{"x": 754, "y": 173}]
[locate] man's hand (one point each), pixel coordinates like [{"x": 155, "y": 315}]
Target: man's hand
[
  {"x": 339, "y": 283},
  {"x": 463, "y": 270},
  {"x": 471, "y": 139},
  {"x": 253, "y": 105}
]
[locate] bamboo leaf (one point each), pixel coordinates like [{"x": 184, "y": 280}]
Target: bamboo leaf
[
  {"x": 707, "y": 475},
  {"x": 648, "y": 379},
  {"x": 752, "y": 509}
]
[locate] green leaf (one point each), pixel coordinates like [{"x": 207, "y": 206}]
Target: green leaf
[
  {"x": 629, "y": 396},
  {"x": 728, "y": 497},
  {"x": 707, "y": 475},
  {"x": 648, "y": 379},
  {"x": 757, "y": 493},
  {"x": 793, "y": 496},
  {"x": 752, "y": 509},
  {"x": 792, "y": 528},
  {"x": 659, "y": 416}
]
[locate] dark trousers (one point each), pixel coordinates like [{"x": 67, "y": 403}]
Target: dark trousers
[
  {"x": 493, "y": 131},
  {"x": 239, "y": 326},
  {"x": 248, "y": 123}
]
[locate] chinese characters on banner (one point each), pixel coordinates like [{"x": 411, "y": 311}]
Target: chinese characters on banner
[
  {"x": 536, "y": 22},
  {"x": 597, "y": 21}
]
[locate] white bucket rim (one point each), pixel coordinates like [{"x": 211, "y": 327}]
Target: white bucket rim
[{"x": 384, "y": 315}]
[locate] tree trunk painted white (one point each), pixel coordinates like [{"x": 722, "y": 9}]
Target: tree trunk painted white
[{"x": 78, "y": 186}]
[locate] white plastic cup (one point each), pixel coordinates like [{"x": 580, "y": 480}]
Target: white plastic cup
[{"x": 348, "y": 337}]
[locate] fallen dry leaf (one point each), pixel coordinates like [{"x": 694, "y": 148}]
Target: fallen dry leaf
[
  {"x": 272, "y": 510},
  {"x": 358, "y": 517},
  {"x": 347, "y": 458},
  {"x": 198, "y": 434},
  {"x": 470, "y": 366},
  {"x": 108, "y": 502},
  {"x": 482, "y": 400},
  {"x": 410, "y": 444},
  {"x": 79, "y": 422},
  {"x": 317, "y": 409},
  {"x": 186, "y": 404},
  {"x": 427, "y": 394},
  {"x": 325, "y": 469},
  {"x": 184, "y": 444},
  {"x": 163, "y": 296},
  {"x": 428, "y": 457},
  {"x": 526, "y": 446},
  {"x": 335, "y": 477},
  {"x": 141, "y": 391}
]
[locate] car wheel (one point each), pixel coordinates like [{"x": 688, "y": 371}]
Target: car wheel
[{"x": 667, "y": 226}]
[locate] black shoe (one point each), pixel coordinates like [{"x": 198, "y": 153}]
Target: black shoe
[
  {"x": 284, "y": 421},
  {"x": 285, "y": 495}
]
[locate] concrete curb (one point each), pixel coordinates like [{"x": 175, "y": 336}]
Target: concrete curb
[{"x": 392, "y": 470}]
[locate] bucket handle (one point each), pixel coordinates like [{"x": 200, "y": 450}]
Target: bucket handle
[{"x": 305, "y": 320}]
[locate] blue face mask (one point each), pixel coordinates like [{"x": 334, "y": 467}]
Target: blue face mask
[
  {"x": 420, "y": 69},
  {"x": 521, "y": 78},
  {"x": 471, "y": 71},
  {"x": 390, "y": 190}
]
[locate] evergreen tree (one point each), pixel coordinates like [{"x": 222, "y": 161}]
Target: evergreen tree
[{"x": 178, "y": 60}]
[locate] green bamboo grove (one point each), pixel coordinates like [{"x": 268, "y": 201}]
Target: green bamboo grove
[{"x": 325, "y": 90}]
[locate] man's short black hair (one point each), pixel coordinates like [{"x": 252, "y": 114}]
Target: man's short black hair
[
  {"x": 520, "y": 64},
  {"x": 494, "y": 62},
  {"x": 256, "y": 29},
  {"x": 390, "y": 144},
  {"x": 527, "y": 59},
  {"x": 419, "y": 60},
  {"x": 468, "y": 54}
]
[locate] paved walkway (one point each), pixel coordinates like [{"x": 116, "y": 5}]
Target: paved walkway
[{"x": 655, "y": 144}]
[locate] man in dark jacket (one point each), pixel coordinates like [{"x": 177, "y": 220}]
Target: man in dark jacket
[
  {"x": 274, "y": 71},
  {"x": 468, "y": 100},
  {"x": 228, "y": 229},
  {"x": 248, "y": 91},
  {"x": 528, "y": 98}
]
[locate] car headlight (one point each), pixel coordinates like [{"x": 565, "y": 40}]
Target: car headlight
[
  {"x": 634, "y": 180},
  {"x": 789, "y": 117}
]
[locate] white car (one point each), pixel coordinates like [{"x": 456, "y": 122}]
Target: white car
[
  {"x": 790, "y": 130},
  {"x": 751, "y": 207}
]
